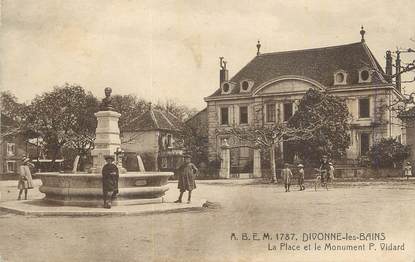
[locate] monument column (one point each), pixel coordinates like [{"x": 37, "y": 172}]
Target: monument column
[{"x": 107, "y": 139}]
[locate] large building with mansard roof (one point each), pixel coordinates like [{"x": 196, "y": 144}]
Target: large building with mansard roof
[{"x": 268, "y": 88}]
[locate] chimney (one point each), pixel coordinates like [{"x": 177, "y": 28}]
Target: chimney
[
  {"x": 388, "y": 68},
  {"x": 223, "y": 75}
]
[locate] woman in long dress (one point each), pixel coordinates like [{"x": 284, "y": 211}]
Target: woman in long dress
[{"x": 25, "y": 178}]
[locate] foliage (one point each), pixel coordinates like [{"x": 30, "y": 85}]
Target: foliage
[
  {"x": 332, "y": 136},
  {"x": 182, "y": 112},
  {"x": 388, "y": 152},
  {"x": 10, "y": 107},
  {"x": 63, "y": 117},
  {"x": 195, "y": 141},
  {"x": 11, "y": 115},
  {"x": 129, "y": 106}
]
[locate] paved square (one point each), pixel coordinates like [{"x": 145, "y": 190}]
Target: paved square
[{"x": 245, "y": 207}]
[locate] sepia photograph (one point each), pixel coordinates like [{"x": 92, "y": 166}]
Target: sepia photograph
[{"x": 207, "y": 131}]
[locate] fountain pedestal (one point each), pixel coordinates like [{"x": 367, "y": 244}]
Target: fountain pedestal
[{"x": 107, "y": 138}]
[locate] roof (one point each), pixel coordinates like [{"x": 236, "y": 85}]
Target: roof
[
  {"x": 318, "y": 64},
  {"x": 154, "y": 119},
  {"x": 197, "y": 115}
]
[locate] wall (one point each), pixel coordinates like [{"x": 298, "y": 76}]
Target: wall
[
  {"x": 20, "y": 150},
  {"x": 142, "y": 142}
]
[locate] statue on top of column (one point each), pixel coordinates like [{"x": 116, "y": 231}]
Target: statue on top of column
[{"x": 106, "y": 102}]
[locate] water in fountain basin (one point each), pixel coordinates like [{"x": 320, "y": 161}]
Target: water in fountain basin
[
  {"x": 140, "y": 164},
  {"x": 75, "y": 164}
]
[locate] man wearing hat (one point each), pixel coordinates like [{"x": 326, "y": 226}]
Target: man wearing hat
[
  {"x": 301, "y": 177},
  {"x": 110, "y": 175},
  {"x": 324, "y": 168},
  {"x": 25, "y": 178},
  {"x": 186, "y": 180}
]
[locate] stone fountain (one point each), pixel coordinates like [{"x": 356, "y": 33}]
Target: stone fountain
[{"x": 85, "y": 189}]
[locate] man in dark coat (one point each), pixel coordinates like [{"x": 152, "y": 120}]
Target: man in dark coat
[
  {"x": 110, "y": 177},
  {"x": 186, "y": 178},
  {"x": 324, "y": 168}
]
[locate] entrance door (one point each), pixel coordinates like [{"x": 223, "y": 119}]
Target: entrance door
[
  {"x": 364, "y": 143},
  {"x": 241, "y": 162}
]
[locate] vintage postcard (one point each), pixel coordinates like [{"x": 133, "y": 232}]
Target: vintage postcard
[{"x": 207, "y": 130}]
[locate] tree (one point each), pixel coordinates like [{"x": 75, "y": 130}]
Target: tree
[
  {"x": 129, "y": 106},
  {"x": 332, "y": 136},
  {"x": 269, "y": 137},
  {"x": 10, "y": 107},
  {"x": 182, "y": 112},
  {"x": 63, "y": 117},
  {"x": 195, "y": 141},
  {"x": 388, "y": 152},
  {"x": 11, "y": 115}
]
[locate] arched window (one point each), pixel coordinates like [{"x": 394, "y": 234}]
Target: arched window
[
  {"x": 364, "y": 75},
  {"x": 340, "y": 77}
]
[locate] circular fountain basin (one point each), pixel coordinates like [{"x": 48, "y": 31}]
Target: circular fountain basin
[{"x": 84, "y": 189}]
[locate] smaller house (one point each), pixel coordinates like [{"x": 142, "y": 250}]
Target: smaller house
[
  {"x": 12, "y": 147},
  {"x": 155, "y": 136}
]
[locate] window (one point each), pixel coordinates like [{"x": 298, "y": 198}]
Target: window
[
  {"x": 288, "y": 111},
  {"x": 364, "y": 144},
  {"x": 340, "y": 77},
  {"x": 169, "y": 141},
  {"x": 243, "y": 115},
  {"x": 364, "y": 75},
  {"x": 270, "y": 108},
  {"x": 226, "y": 87},
  {"x": 11, "y": 166},
  {"x": 224, "y": 116},
  {"x": 11, "y": 149},
  {"x": 364, "y": 108},
  {"x": 245, "y": 85}
]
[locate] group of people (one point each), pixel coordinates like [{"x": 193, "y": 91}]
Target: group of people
[
  {"x": 326, "y": 172},
  {"x": 110, "y": 175},
  {"x": 186, "y": 177}
]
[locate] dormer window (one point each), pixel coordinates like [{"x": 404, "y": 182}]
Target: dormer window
[
  {"x": 246, "y": 86},
  {"x": 340, "y": 77},
  {"x": 227, "y": 87},
  {"x": 364, "y": 75}
]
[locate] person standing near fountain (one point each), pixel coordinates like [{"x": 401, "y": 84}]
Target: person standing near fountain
[
  {"x": 110, "y": 175},
  {"x": 186, "y": 177},
  {"x": 25, "y": 178}
]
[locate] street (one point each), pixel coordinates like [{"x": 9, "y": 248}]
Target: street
[{"x": 241, "y": 210}]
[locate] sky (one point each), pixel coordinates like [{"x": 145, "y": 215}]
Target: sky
[{"x": 160, "y": 50}]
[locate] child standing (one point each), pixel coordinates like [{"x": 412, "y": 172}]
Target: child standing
[
  {"x": 25, "y": 178},
  {"x": 408, "y": 170},
  {"x": 286, "y": 177},
  {"x": 301, "y": 177}
]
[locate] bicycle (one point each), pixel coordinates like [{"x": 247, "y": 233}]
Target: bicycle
[{"x": 321, "y": 180}]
